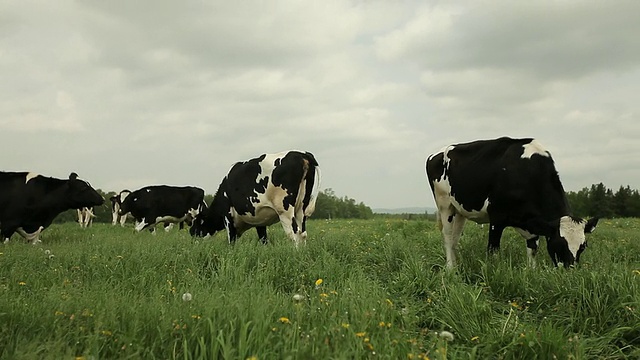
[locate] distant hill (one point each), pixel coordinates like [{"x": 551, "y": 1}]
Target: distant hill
[{"x": 407, "y": 210}]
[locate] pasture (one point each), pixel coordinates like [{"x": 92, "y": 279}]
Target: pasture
[{"x": 359, "y": 289}]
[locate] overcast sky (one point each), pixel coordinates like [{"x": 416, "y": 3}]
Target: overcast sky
[{"x": 133, "y": 93}]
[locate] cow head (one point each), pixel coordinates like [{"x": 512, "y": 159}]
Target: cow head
[
  {"x": 80, "y": 194},
  {"x": 126, "y": 202},
  {"x": 568, "y": 241},
  {"x": 206, "y": 223}
]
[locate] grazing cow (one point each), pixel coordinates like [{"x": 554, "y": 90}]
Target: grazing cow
[
  {"x": 116, "y": 202},
  {"x": 85, "y": 217},
  {"x": 260, "y": 192},
  {"x": 507, "y": 183},
  {"x": 29, "y": 202},
  {"x": 163, "y": 204}
]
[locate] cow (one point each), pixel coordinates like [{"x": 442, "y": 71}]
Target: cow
[
  {"x": 116, "y": 202},
  {"x": 260, "y": 192},
  {"x": 29, "y": 202},
  {"x": 165, "y": 204},
  {"x": 505, "y": 182},
  {"x": 85, "y": 216}
]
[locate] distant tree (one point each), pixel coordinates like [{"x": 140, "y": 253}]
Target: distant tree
[
  {"x": 329, "y": 206},
  {"x": 600, "y": 201}
]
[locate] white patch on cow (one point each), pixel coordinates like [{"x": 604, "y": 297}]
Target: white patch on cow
[
  {"x": 169, "y": 227},
  {"x": 30, "y": 176},
  {"x": 140, "y": 225},
  {"x": 479, "y": 216},
  {"x": 573, "y": 232},
  {"x": 171, "y": 219},
  {"x": 533, "y": 148},
  {"x": 34, "y": 237}
]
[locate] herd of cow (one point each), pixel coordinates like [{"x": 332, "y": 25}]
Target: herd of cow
[{"x": 504, "y": 182}]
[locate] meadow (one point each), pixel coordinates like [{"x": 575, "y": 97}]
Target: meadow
[{"x": 360, "y": 289}]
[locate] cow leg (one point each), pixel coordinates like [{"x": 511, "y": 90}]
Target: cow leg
[
  {"x": 495, "y": 233},
  {"x": 141, "y": 225},
  {"x": 298, "y": 225},
  {"x": 123, "y": 219},
  {"x": 532, "y": 246},
  {"x": 232, "y": 232},
  {"x": 262, "y": 234},
  {"x": 452, "y": 225},
  {"x": 286, "y": 220}
]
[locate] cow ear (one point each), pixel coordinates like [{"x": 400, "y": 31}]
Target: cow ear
[
  {"x": 591, "y": 225},
  {"x": 73, "y": 176}
]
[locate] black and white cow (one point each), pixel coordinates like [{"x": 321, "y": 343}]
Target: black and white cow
[
  {"x": 85, "y": 216},
  {"x": 29, "y": 202},
  {"x": 260, "y": 192},
  {"x": 507, "y": 183},
  {"x": 116, "y": 202},
  {"x": 163, "y": 204}
]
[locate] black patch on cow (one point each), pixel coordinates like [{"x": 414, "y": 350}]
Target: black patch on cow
[
  {"x": 293, "y": 168},
  {"x": 558, "y": 249}
]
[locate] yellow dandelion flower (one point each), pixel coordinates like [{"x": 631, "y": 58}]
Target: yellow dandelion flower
[
  {"x": 475, "y": 338},
  {"x": 197, "y": 317},
  {"x": 389, "y": 302},
  {"x": 22, "y": 283},
  {"x": 361, "y": 334},
  {"x": 345, "y": 325},
  {"x": 284, "y": 320},
  {"x": 637, "y": 272},
  {"x": 514, "y": 304},
  {"x": 382, "y": 324},
  {"x": 410, "y": 356},
  {"x": 323, "y": 295},
  {"x": 319, "y": 282},
  {"x": 253, "y": 357},
  {"x": 58, "y": 313},
  {"x": 106, "y": 332}
]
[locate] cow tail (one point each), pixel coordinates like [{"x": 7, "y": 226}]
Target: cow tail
[{"x": 312, "y": 185}]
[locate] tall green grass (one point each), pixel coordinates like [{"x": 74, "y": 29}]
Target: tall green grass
[{"x": 107, "y": 292}]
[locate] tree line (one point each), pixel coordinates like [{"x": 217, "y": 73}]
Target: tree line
[{"x": 598, "y": 200}]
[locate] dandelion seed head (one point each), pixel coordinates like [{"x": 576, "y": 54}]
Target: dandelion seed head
[
  {"x": 446, "y": 335},
  {"x": 47, "y": 252},
  {"x": 187, "y": 297},
  {"x": 298, "y": 297}
]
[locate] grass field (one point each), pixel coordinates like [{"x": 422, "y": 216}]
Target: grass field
[{"x": 358, "y": 289}]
